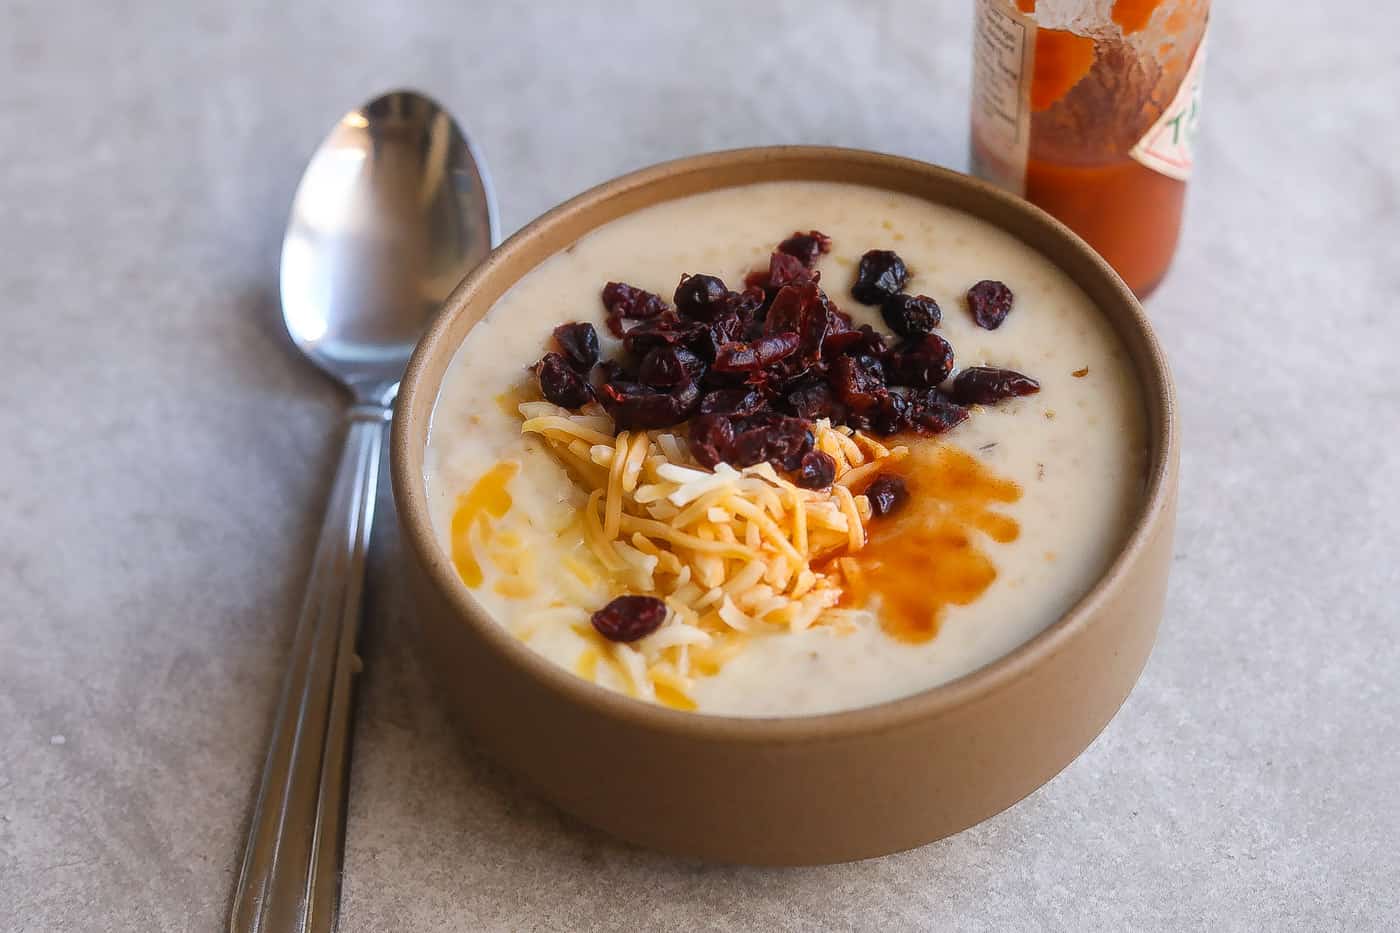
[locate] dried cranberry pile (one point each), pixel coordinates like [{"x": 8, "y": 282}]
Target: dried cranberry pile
[{"x": 752, "y": 369}]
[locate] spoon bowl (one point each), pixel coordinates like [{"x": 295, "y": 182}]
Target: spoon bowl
[{"x": 391, "y": 214}]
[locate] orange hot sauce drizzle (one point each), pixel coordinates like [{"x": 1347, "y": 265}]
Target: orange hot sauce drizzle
[
  {"x": 925, "y": 557},
  {"x": 487, "y": 498}
]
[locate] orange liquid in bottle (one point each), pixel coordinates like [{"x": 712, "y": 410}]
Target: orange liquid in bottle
[
  {"x": 1125, "y": 210},
  {"x": 1091, "y": 101}
]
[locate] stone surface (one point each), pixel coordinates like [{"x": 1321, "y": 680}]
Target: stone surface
[{"x": 166, "y": 458}]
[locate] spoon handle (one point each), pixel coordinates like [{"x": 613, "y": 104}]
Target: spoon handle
[{"x": 290, "y": 881}]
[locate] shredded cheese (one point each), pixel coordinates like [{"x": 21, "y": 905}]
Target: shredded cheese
[{"x": 733, "y": 552}]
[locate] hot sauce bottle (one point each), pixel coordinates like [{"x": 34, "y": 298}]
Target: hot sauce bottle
[{"x": 1088, "y": 108}]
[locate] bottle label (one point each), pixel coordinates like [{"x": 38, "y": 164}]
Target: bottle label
[
  {"x": 1004, "y": 46},
  {"x": 1168, "y": 146},
  {"x": 1003, "y": 56}
]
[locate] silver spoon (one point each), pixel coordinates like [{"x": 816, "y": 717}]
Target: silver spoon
[{"x": 393, "y": 210}]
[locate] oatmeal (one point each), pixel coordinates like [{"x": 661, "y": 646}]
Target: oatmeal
[{"x": 752, "y": 481}]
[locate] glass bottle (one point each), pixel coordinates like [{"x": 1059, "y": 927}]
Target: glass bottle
[{"x": 1088, "y": 108}]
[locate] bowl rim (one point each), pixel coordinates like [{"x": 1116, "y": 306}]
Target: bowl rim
[{"x": 411, "y": 496}]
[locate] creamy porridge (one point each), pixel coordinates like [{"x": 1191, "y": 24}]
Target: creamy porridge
[{"x": 786, "y": 593}]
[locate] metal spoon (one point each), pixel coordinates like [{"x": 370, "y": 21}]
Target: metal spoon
[{"x": 393, "y": 210}]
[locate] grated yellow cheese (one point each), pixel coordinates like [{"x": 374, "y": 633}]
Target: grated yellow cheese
[
  {"x": 565, "y": 428},
  {"x": 732, "y": 552},
  {"x": 867, "y": 471},
  {"x": 854, "y": 528}
]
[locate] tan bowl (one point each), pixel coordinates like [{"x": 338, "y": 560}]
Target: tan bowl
[{"x": 801, "y": 790}]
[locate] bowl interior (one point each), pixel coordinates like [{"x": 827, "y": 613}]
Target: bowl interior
[{"x": 558, "y": 229}]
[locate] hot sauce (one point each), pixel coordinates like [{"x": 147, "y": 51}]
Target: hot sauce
[
  {"x": 486, "y": 500},
  {"x": 1092, "y": 118},
  {"x": 930, "y": 555}
]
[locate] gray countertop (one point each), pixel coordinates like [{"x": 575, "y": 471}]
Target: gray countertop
[{"x": 166, "y": 459}]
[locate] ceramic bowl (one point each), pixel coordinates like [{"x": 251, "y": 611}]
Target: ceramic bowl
[{"x": 799, "y": 790}]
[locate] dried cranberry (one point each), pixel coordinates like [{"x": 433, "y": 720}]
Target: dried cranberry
[
  {"x": 816, "y": 471},
  {"x": 886, "y": 494},
  {"x": 780, "y": 440},
  {"x": 612, "y": 371},
  {"x": 802, "y": 310},
  {"x": 813, "y": 328},
  {"x": 701, "y": 296},
  {"x": 783, "y": 269},
  {"x": 806, "y": 246},
  {"x": 990, "y": 303},
  {"x": 911, "y": 315},
  {"x": 748, "y": 303},
  {"x": 791, "y": 440},
  {"x": 725, "y": 328},
  {"x": 837, "y": 343},
  {"x": 864, "y": 341},
  {"x": 666, "y": 329},
  {"x": 768, "y": 382},
  {"x": 892, "y": 414},
  {"x": 923, "y": 364},
  {"x": 872, "y": 343},
  {"x": 561, "y": 383},
  {"x": 629, "y": 618},
  {"x": 665, "y": 367},
  {"x": 813, "y": 401},
  {"x": 840, "y": 320},
  {"x": 749, "y": 447},
  {"x": 738, "y": 401},
  {"x": 859, "y": 381},
  {"x": 788, "y": 270},
  {"x": 784, "y": 315},
  {"x": 984, "y": 385},
  {"x": 788, "y": 307},
  {"x": 627, "y": 301},
  {"x": 579, "y": 343},
  {"x": 935, "y": 413},
  {"x": 639, "y": 407},
  {"x": 881, "y": 273},
  {"x": 765, "y": 351},
  {"x": 711, "y": 437},
  {"x": 622, "y": 387},
  {"x": 753, "y": 327}
]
